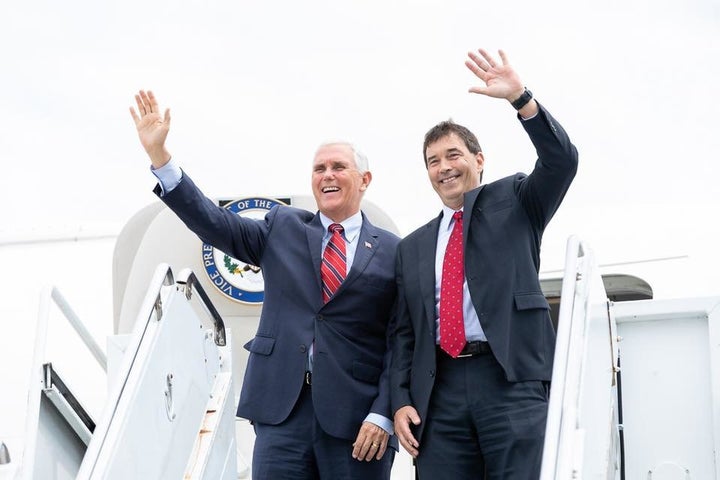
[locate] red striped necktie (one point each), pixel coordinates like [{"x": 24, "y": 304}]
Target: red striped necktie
[
  {"x": 334, "y": 263},
  {"x": 452, "y": 326}
]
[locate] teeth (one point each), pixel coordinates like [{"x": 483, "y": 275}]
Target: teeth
[
  {"x": 445, "y": 180},
  {"x": 330, "y": 189}
]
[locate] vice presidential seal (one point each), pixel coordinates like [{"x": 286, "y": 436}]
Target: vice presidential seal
[{"x": 237, "y": 280}]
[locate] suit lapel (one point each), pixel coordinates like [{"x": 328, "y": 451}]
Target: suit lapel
[
  {"x": 468, "y": 206},
  {"x": 314, "y": 233},
  {"x": 366, "y": 248},
  {"x": 427, "y": 244}
]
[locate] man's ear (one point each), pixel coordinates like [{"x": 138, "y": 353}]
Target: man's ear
[
  {"x": 480, "y": 158},
  {"x": 366, "y": 179}
]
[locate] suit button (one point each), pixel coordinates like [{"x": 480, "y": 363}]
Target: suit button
[
  {"x": 319, "y": 317},
  {"x": 432, "y": 373},
  {"x": 303, "y": 348}
]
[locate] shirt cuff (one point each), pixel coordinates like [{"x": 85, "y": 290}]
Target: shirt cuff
[
  {"x": 381, "y": 422},
  {"x": 169, "y": 176}
]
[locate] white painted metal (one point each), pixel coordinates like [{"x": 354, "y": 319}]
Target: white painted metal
[
  {"x": 67, "y": 412},
  {"x": 581, "y": 433},
  {"x": 175, "y": 384},
  {"x": 671, "y": 387},
  {"x": 52, "y": 447}
]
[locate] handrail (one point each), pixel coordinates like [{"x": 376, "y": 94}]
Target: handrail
[
  {"x": 574, "y": 252},
  {"x": 187, "y": 281},
  {"x": 79, "y": 327},
  {"x": 166, "y": 281}
]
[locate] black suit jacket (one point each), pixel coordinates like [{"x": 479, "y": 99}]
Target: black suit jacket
[{"x": 502, "y": 230}]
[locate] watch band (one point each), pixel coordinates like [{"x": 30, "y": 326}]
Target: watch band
[{"x": 522, "y": 100}]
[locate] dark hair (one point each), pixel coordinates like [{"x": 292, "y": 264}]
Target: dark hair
[{"x": 443, "y": 129}]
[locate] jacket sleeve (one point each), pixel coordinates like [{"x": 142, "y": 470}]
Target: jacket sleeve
[
  {"x": 240, "y": 237},
  {"x": 542, "y": 191},
  {"x": 402, "y": 345}
]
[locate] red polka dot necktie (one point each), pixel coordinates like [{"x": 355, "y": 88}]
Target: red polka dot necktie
[
  {"x": 452, "y": 326},
  {"x": 334, "y": 264}
]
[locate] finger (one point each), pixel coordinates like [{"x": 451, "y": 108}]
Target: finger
[
  {"x": 410, "y": 439},
  {"x": 381, "y": 450},
  {"x": 361, "y": 445},
  {"x": 134, "y": 115},
  {"x": 479, "y": 62},
  {"x": 140, "y": 105},
  {"x": 153, "y": 101},
  {"x": 480, "y": 90},
  {"x": 167, "y": 117},
  {"x": 408, "y": 448},
  {"x": 372, "y": 451},
  {"x": 481, "y": 74},
  {"x": 145, "y": 101},
  {"x": 357, "y": 446},
  {"x": 490, "y": 60},
  {"x": 364, "y": 451},
  {"x": 503, "y": 57}
]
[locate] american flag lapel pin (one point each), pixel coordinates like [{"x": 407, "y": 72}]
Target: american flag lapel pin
[{"x": 368, "y": 245}]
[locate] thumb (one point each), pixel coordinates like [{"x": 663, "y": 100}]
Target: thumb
[
  {"x": 480, "y": 90},
  {"x": 414, "y": 417}
]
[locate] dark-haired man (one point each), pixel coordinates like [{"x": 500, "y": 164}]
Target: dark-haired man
[{"x": 473, "y": 347}]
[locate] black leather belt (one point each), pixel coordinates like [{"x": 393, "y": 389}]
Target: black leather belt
[{"x": 471, "y": 349}]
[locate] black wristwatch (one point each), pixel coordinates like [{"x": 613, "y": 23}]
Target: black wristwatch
[{"x": 522, "y": 100}]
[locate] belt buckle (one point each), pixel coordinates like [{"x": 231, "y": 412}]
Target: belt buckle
[
  {"x": 465, "y": 355},
  {"x": 308, "y": 378}
]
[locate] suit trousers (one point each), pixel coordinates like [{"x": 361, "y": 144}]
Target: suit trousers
[
  {"x": 299, "y": 449},
  {"x": 479, "y": 425}
]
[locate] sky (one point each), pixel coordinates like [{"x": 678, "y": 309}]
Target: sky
[{"x": 254, "y": 87}]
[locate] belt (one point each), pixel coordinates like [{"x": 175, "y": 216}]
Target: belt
[{"x": 471, "y": 349}]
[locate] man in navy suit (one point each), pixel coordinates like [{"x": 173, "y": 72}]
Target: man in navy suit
[
  {"x": 317, "y": 381},
  {"x": 473, "y": 347}
]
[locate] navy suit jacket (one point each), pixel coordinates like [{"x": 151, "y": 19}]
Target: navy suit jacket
[
  {"x": 502, "y": 230},
  {"x": 351, "y": 358}
]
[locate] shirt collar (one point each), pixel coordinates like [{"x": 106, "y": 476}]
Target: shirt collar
[
  {"x": 351, "y": 225},
  {"x": 447, "y": 217}
]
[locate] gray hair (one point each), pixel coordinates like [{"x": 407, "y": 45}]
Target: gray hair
[{"x": 361, "y": 160}]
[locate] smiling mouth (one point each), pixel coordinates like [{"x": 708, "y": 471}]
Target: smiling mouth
[
  {"x": 449, "y": 179},
  {"x": 330, "y": 189}
]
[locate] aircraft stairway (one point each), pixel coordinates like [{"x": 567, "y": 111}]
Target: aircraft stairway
[{"x": 169, "y": 411}]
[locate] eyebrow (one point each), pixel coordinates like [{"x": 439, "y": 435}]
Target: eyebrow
[{"x": 449, "y": 150}]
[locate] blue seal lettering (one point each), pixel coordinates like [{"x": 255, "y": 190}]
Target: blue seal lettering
[{"x": 238, "y": 280}]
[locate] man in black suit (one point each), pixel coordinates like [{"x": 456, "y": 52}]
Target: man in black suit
[
  {"x": 473, "y": 347},
  {"x": 316, "y": 385}
]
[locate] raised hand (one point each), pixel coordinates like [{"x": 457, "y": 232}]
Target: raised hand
[
  {"x": 151, "y": 127},
  {"x": 501, "y": 80}
]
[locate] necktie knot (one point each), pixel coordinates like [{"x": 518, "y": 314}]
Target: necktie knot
[
  {"x": 336, "y": 227},
  {"x": 457, "y": 216}
]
